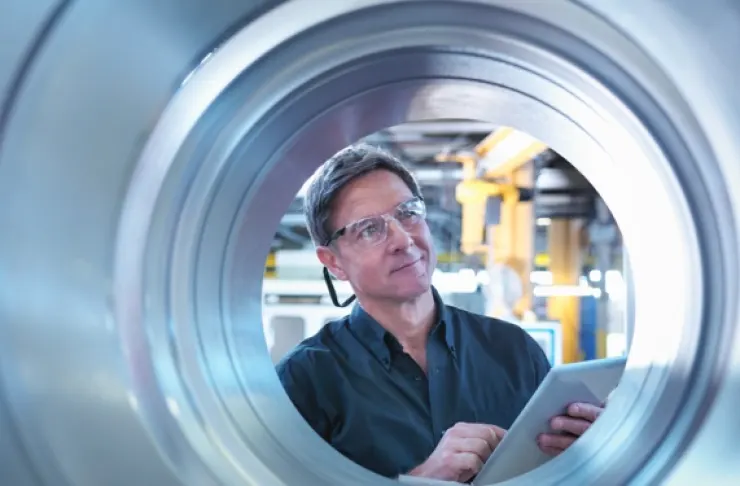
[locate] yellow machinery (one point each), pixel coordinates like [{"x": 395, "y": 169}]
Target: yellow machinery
[
  {"x": 510, "y": 241},
  {"x": 565, "y": 265},
  {"x": 271, "y": 265}
]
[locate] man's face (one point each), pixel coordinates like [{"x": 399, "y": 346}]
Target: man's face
[{"x": 400, "y": 266}]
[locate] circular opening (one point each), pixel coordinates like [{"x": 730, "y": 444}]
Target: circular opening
[
  {"x": 248, "y": 128},
  {"x": 295, "y": 297}
]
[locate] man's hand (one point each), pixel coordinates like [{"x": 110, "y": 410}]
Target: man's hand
[
  {"x": 461, "y": 453},
  {"x": 571, "y": 426}
]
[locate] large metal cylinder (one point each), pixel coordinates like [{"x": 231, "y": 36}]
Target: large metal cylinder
[{"x": 148, "y": 150}]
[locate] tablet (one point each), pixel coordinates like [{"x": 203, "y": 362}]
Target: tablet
[{"x": 586, "y": 382}]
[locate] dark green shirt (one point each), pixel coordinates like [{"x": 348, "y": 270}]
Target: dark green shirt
[{"x": 356, "y": 387}]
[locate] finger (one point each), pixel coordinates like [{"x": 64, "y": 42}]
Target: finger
[
  {"x": 468, "y": 465},
  {"x": 489, "y": 433},
  {"x": 551, "y": 451},
  {"x": 555, "y": 441},
  {"x": 475, "y": 445},
  {"x": 575, "y": 426},
  {"x": 500, "y": 433},
  {"x": 585, "y": 411}
]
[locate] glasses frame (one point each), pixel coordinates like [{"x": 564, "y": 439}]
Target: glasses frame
[{"x": 389, "y": 215}]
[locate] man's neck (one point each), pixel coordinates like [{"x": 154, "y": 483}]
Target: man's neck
[{"x": 409, "y": 321}]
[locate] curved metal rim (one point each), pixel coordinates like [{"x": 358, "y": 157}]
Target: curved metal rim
[
  {"x": 218, "y": 63},
  {"x": 206, "y": 408}
]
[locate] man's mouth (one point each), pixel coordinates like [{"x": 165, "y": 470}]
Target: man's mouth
[{"x": 406, "y": 265}]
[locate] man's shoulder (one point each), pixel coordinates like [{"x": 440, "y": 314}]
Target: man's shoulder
[
  {"x": 313, "y": 350},
  {"x": 509, "y": 342},
  {"x": 486, "y": 325}
]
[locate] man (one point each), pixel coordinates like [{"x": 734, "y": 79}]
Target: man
[{"x": 405, "y": 384}]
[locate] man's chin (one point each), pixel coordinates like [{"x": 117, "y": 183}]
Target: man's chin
[{"x": 412, "y": 290}]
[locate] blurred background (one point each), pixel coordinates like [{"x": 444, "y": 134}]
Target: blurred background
[{"x": 520, "y": 235}]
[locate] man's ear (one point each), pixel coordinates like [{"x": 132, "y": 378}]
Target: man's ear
[{"x": 330, "y": 260}]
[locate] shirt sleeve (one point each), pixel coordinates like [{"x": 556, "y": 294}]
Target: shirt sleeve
[{"x": 301, "y": 390}]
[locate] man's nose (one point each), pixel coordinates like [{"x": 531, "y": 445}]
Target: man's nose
[{"x": 398, "y": 237}]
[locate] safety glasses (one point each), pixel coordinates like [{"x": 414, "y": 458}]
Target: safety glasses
[{"x": 372, "y": 231}]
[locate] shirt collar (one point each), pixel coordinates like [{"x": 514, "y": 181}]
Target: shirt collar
[{"x": 380, "y": 342}]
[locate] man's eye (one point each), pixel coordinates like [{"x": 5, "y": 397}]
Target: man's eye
[
  {"x": 368, "y": 231},
  {"x": 408, "y": 213}
]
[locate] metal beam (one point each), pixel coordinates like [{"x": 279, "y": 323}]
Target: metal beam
[
  {"x": 521, "y": 239},
  {"x": 488, "y": 144},
  {"x": 565, "y": 266},
  {"x": 288, "y": 234},
  {"x": 473, "y": 194},
  {"x": 511, "y": 164}
]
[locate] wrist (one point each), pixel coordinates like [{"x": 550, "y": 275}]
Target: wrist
[{"x": 419, "y": 471}]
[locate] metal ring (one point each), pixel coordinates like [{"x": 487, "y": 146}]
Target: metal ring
[{"x": 141, "y": 218}]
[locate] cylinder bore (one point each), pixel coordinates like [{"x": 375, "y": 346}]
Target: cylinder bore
[{"x": 163, "y": 281}]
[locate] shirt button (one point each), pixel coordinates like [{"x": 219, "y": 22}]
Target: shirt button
[{"x": 417, "y": 378}]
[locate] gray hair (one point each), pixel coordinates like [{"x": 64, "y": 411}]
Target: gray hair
[{"x": 344, "y": 167}]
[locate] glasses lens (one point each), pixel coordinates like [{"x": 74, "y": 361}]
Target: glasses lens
[
  {"x": 411, "y": 213},
  {"x": 372, "y": 231},
  {"x": 368, "y": 231}
]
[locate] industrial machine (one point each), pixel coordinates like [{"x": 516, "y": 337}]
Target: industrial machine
[{"x": 148, "y": 150}]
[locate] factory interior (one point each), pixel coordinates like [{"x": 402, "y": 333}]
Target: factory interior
[
  {"x": 521, "y": 235},
  {"x": 577, "y": 159}
]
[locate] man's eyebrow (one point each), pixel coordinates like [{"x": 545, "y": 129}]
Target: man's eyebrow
[{"x": 412, "y": 198}]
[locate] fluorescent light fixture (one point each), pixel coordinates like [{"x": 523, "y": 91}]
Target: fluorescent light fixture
[
  {"x": 565, "y": 291},
  {"x": 541, "y": 277},
  {"x": 483, "y": 277}
]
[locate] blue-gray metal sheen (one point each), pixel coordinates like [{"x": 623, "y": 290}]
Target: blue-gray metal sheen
[{"x": 149, "y": 149}]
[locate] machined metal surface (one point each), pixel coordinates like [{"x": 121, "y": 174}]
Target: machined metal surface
[{"x": 149, "y": 149}]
